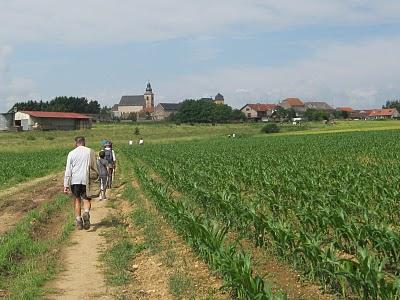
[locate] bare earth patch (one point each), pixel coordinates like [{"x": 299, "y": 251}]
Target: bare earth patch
[
  {"x": 18, "y": 200},
  {"x": 82, "y": 277}
]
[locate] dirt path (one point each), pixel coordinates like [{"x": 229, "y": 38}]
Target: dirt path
[
  {"x": 82, "y": 277},
  {"x": 16, "y": 201}
]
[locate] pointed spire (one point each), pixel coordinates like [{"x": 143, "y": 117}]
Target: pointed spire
[{"x": 148, "y": 88}]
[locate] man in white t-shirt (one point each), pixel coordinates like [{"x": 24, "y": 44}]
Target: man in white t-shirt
[{"x": 75, "y": 178}]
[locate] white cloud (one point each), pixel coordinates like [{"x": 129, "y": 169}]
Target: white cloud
[
  {"x": 12, "y": 89},
  {"x": 104, "y": 21},
  {"x": 363, "y": 74}
]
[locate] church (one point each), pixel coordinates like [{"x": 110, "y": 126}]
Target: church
[{"x": 137, "y": 104}]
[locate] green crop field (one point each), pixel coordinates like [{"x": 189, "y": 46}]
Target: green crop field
[
  {"x": 329, "y": 204},
  {"x": 21, "y": 166}
]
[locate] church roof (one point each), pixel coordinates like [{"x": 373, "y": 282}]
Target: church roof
[
  {"x": 135, "y": 100},
  {"x": 171, "y": 106},
  {"x": 219, "y": 97}
]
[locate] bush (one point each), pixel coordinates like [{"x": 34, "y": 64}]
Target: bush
[
  {"x": 49, "y": 138},
  {"x": 31, "y": 138},
  {"x": 137, "y": 131},
  {"x": 270, "y": 128}
]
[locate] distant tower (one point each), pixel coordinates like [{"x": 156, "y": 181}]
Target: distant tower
[
  {"x": 219, "y": 99},
  {"x": 149, "y": 97}
]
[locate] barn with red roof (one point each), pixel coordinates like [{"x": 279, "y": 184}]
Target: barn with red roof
[{"x": 50, "y": 120}]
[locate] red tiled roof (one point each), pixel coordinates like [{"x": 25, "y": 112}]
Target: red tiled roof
[
  {"x": 346, "y": 109},
  {"x": 55, "y": 114},
  {"x": 382, "y": 112},
  {"x": 262, "y": 107},
  {"x": 293, "y": 102}
]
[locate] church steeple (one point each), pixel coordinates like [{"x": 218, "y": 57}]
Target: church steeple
[
  {"x": 148, "y": 88},
  {"x": 149, "y": 97}
]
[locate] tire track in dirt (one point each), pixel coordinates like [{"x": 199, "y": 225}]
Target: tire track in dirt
[
  {"x": 16, "y": 201},
  {"x": 82, "y": 276}
]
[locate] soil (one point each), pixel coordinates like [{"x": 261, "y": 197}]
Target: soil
[
  {"x": 82, "y": 277},
  {"x": 151, "y": 272},
  {"x": 15, "y": 202}
]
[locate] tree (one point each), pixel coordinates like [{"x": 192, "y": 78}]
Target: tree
[
  {"x": 313, "y": 114},
  {"x": 64, "y": 104},
  {"x": 205, "y": 111},
  {"x": 392, "y": 104}
]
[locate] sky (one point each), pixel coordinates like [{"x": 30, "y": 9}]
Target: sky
[{"x": 344, "y": 52}]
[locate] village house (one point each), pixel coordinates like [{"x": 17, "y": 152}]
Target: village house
[
  {"x": 163, "y": 110},
  {"x": 319, "y": 106},
  {"x": 46, "y": 120},
  {"x": 135, "y": 104},
  {"x": 384, "y": 113},
  {"x": 258, "y": 111},
  {"x": 294, "y": 103}
]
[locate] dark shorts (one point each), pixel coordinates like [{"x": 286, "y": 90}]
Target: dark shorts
[{"x": 79, "y": 191}]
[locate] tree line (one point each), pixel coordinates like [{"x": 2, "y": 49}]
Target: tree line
[
  {"x": 205, "y": 111},
  {"x": 64, "y": 104}
]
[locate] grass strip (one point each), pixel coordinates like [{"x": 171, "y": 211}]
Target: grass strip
[{"x": 26, "y": 261}]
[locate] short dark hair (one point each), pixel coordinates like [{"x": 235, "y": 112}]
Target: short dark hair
[
  {"x": 80, "y": 140},
  {"x": 102, "y": 154}
]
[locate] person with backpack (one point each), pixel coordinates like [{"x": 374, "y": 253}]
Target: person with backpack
[
  {"x": 102, "y": 165},
  {"x": 109, "y": 155}
]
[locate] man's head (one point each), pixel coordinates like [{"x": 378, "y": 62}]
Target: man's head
[
  {"x": 80, "y": 141},
  {"x": 102, "y": 154}
]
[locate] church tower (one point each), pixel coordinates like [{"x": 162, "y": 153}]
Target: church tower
[{"x": 149, "y": 97}]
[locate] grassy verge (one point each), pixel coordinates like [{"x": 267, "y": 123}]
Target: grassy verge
[{"x": 29, "y": 259}]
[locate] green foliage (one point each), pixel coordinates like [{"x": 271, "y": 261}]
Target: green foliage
[
  {"x": 64, "y": 104},
  {"x": 207, "y": 239},
  {"x": 392, "y": 104},
  {"x": 18, "y": 167},
  {"x": 338, "y": 114},
  {"x": 118, "y": 259},
  {"x": 137, "y": 131},
  {"x": 27, "y": 262},
  {"x": 206, "y": 111},
  {"x": 312, "y": 114},
  {"x": 328, "y": 204},
  {"x": 270, "y": 128}
]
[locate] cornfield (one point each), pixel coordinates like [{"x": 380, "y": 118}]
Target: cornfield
[
  {"x": 327, "y": 204},
  {"x": 20, "y": 166}
]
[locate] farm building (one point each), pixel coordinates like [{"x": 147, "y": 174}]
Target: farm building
[
  {"x": 44, "y": 120},
  {"x": 385, "y": 113},
  {"x": 6, "y": 121},
  {"x": 163, "y": 110},
  {"x": 294, "y": 103},
  {"x": 258, "y": 111}
]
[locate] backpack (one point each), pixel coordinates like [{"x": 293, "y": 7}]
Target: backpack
[{"x": 108, "y": 156}]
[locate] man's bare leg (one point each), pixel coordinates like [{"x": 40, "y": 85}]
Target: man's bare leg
[
  {"x": 79, "y": 223},
  {"x": 86, "y": 215},
  {"x": 77, "y": 207},
  {"x": 87, "y": 204}
]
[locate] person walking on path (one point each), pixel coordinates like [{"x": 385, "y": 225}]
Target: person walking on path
[
  {"x": 110, "y": 157},
  {"x": 102, "y": 165},
  {"x": 82, "y": 180}
]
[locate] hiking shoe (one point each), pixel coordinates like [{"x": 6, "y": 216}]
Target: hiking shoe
[
  {"x": 79, "y": 224},
  {"x": 86, "y": 220}
]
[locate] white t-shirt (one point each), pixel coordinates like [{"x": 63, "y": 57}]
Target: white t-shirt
[{"x": 78, "y": 161}]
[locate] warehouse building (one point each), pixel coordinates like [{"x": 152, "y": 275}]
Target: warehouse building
[
  {"x": 45, "y": 120},
  {"x": 6, "y": 121}
]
